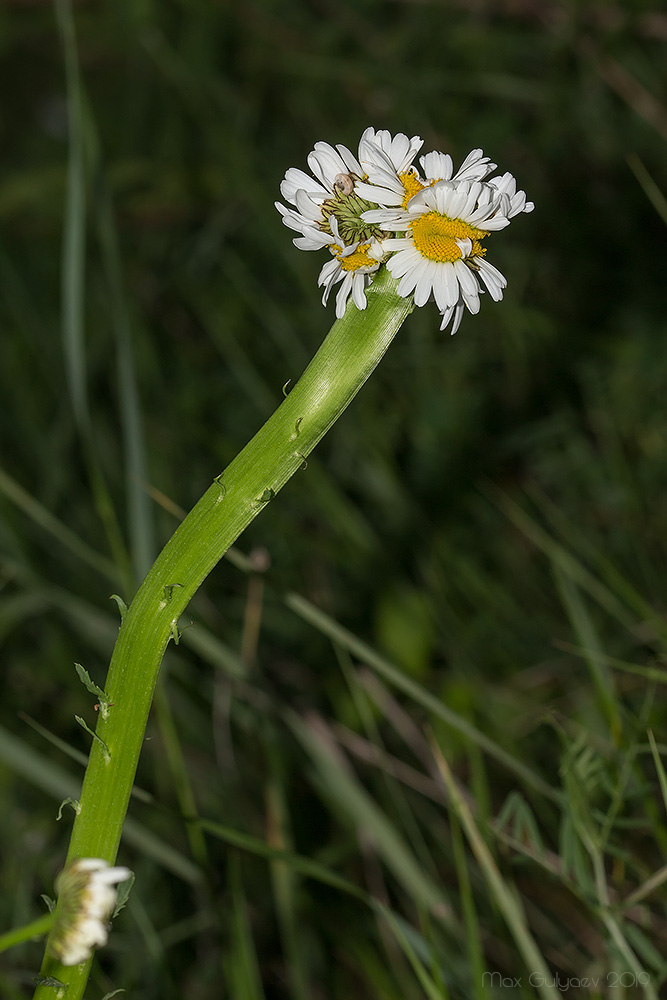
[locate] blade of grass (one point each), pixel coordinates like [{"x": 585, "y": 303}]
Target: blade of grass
[
  {"x": 154, "y": 946},
  {"x": 214, "y": 652},
  {"x": 648, "y": 185},
  {"x": 303, "y": 865},
  {"x": 179, "y": 774},
  {"x": 354, "y": 802},
  {"x": 427, "y": 983},
  {"x": 140, "y": 519},
  {"x": 650, "y": 885},
  {"x": 79, "y": 758},
  {"x": 286, "y": 889},
  {"x": 580, "y": 774},
  {"x": 588, "y": 638},
  {"x": 662, "y": 777},
  {"x": 650, "y": 673},
  {"x": 74, "y": 231},
  {"x": 29, "y": 932},
  {"x": 629, "y": 752},
  {"x": 574, "y": 568},
  {"x": 58, "y": 784},
  {"x": 17, "y": 609},
  {"x": 243, "y": 973},
  {"x": 506, "y": 900},
  {"x": 473, "y": 941},
  {"x": 53, "y": 526},
  {"x": 381, "y": 758},
  {"x": 328, "y": 626},
  {"x": 73, "y": 285}
]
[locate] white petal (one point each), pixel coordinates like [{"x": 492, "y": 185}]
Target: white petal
[
  {"x": 399, "y": 243},
  {"x": 475, "y": 167},
  {"x": 350, "y": 160},
  {"x": 380, "y": 195},
  {"x": 437, "y": 166},
  {"x": 358, "y": 296},
  {"x": 343, "y": 296},
  {"x": 295, "y": 179},
  {"x": 424, "y": 285},
  {"x": 466, "y": 279},
  {"x": 325, "y": 163},
  {"x": 293, "y": 222},
  {"x": 88, "y": 865},
  {"x": 403, "y": 262},
  {"x": 492, "y": 278},
  {"x": 451, "y": 284},
  {"x": 441, "y": 286},
  {"x": 458, "y": 316},
  {"x": 308, "y": 208},
  {"x": 328, "y": 270},
  {"x": 313, "y": 240}
]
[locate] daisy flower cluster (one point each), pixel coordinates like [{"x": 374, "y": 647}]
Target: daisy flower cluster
[
  {"x": 427, "y": 224},
  {"x": 87, "y": 899}
]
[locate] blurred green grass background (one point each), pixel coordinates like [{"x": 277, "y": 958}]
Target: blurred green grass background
[{"x": 486, "y": 523}]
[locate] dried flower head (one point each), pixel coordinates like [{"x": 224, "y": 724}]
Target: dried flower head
[{"x": 86, "y": 900}]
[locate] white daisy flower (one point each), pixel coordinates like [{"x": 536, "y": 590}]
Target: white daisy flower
[
  {"x": 440, "y": 167},
  {"x": 350, "y": 204},
  {"x": 442, "y": 255},
  {"x": 387, "y": 159},
  {"x": 336, "y": 170},
  {"x": 330, "y": 167},
  {"x": 390, "y": 184},
  {"x": 352, "y": 265},
  {"x": 336, "y": 189},
  {"x": 86, "y": 901},
  {"x": 312, "y": 237},
  {"x": 379, "y": 149},
  {"x": 518, "y": 203}
]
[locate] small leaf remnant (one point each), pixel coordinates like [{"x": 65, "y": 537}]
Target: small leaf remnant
[
  {"x": 90, "y": 685},
  {"x": 177, "y": 632},
  {"x": 52, "y": 983},
  {"x": 84, "y": 725},
  {"x": 123, "y": 894},
  {"x": 68, "y": 802},
  {"x": 169, "y": 590},
  {"x": 266, "y": 496},
  {"x": 122, "y": 606},
  {"x": 296, "y": 431}
]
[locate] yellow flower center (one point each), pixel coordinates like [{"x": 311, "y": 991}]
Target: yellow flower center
[
  {"x": 435, "y": 235},
  {"x": 412, "y": 185},
  {"x": 355, "y": 260}
]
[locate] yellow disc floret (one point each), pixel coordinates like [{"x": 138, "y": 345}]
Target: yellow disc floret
[
  {"x": 412, "y": 185},
  {"x": 435, "y": 235},
  {"x": 356, "y": 260}
]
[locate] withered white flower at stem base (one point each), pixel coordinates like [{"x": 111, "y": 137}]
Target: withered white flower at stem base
[{"x": 86, "y": 900}]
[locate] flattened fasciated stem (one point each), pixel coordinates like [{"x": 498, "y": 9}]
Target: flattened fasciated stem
[{"x": 351, "y": 351}]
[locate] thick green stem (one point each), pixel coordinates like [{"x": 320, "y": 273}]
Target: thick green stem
[{"x": 351, "y": 351}]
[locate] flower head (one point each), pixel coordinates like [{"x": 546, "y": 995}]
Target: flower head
[
  {"x": 357, "y": 206},
  {"x": 352, "y": 264},
  {"x": 330, "y": 195},
  {"x": 395, "y": 185},
  {"x": 442, "y": 255},
  {"x": 86, "y": 900}
]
